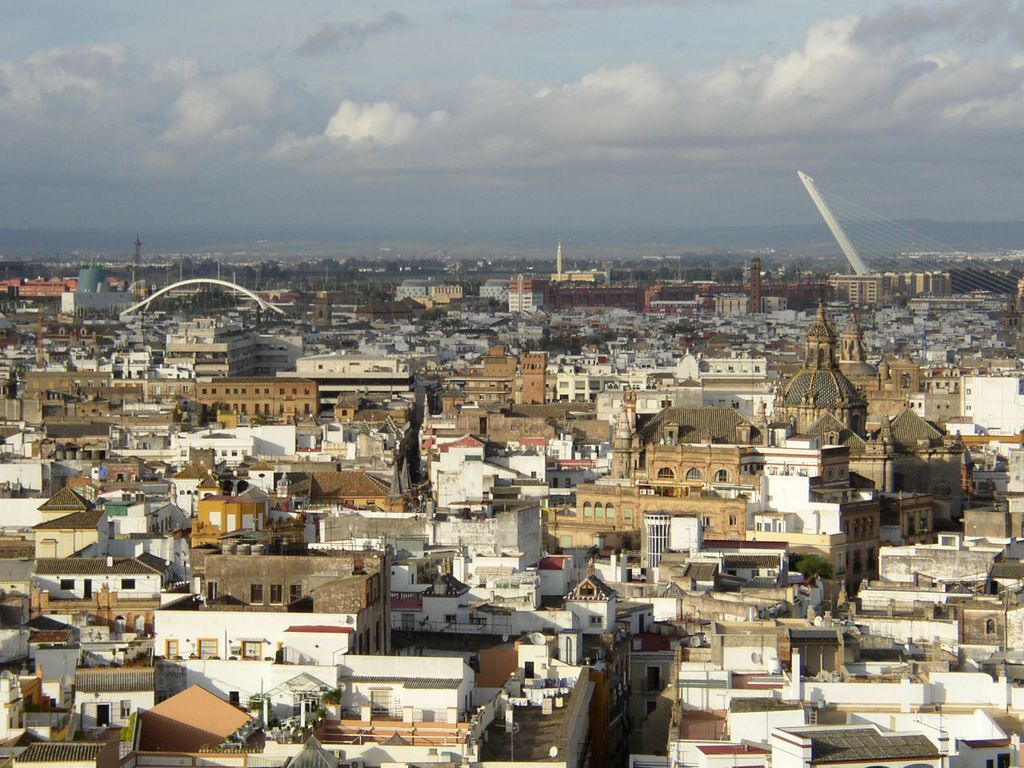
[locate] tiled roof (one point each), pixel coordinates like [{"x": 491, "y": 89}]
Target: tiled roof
[
  {"x": 591, "y": 588},
  {"x": 112, "y": 679},
  {"x": 330, "y": 485},
  {"x": 909, "y": 430},
  {"x": 701, "y": 571},
  {"x": 821, "y": 388},
  {"x": 193, "y": 472},
  {"x": 856, "y": 744},
  {"x": 66, "y": 500},
  {"x": 830, "y": 424},
  {"x": 88, "y": 519},
  {"x": 17, "y": 550},
  {"x": 445, "y": 585},
  {"x": 59, "y": 752},
  {"x": 751, "y": 561},
  {"x": 72, "y": 566},
  {"x": 50, "y": 637},
  {"x": 155, "y": 563},
  {"x": 432, "y": 683},
  {"x": 691, "y": 425}
]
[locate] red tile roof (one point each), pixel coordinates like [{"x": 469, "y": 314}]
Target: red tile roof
[
  {"x": 731, "y": 749},
  {"x": 553, "y": 563}
]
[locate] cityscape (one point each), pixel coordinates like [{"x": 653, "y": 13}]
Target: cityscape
[{"x": 572, "y": 384}]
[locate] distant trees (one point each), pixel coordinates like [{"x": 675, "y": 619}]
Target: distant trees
[{"x": 812, "y": 566}]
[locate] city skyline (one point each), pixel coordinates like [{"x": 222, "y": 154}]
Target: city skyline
[{"x": 518, "y": 116}]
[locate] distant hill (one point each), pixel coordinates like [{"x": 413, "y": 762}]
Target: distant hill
[{"x": 813, "y": 238}]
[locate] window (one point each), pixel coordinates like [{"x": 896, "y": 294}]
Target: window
[
  {"x": 255, "y": 593},
  {"x": 451, "y": 618},
  {"x": 380, "y": 701},
  {"x": 233, "y": 698},
  {"x": 276, "y": 594},
  {"x": 127, "y": 583},
  {"x": 67, "y": 583},
  {"x": 595, "y": 620},
  {"x": 207, "y": 648},
  {"x": 990, "y": 626},
  {"x": 588, "y": 509},
  {"x": 666, "y": 473},
  {"x": 722, "y": 476},
  {"x": 251, "y": 649},
  {"x": 294, "y": 592},
  {"x": 126, "y": 708},
  {"x": 694, "y": 474},
  {"x": 171, "y": 649}
]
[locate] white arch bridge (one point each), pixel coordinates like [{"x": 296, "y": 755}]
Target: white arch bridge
[{"x": 260, "y": 301}]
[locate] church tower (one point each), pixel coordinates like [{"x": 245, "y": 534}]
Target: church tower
[
  {"x": 622, "y": 438},
  {"x": 821, "y": 388}
]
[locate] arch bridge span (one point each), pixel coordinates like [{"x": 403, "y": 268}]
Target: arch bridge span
[{"x": 260, "y": 302}]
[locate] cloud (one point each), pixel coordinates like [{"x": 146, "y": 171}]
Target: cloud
[
  {"x": 973, "y": 21},
  {"x": 349, "y": 36},
  {"x": 379, "y": 123},
  {"x": 644, "y": 137}
]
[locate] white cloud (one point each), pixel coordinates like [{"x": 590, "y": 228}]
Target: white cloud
[{"x": 382, "y": 123}]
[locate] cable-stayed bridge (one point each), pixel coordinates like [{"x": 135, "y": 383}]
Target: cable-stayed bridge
[{"x": 864, "y": 235}]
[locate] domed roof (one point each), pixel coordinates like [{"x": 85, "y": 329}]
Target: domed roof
[{"x": 821, "y": 388}]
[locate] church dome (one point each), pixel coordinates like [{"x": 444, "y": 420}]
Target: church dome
[{"x": 821, "y": 388}]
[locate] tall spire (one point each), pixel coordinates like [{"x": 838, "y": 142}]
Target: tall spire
[{"x": 558, "y": 258}]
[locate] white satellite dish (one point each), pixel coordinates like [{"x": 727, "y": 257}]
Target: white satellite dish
[
  {"x": 553, "y": 752},
  {"x": 538, "y": 638},
  {"x": 818, "y": 621}
]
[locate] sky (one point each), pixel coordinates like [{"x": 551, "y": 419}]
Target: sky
[{"x": 505, "y": 115}]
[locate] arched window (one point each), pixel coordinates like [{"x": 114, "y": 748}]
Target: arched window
[
  {"x": 722, "y": 476},
  {"x": 990, "y": 626},
  {"x": 588, "y": 510},
  {"x": 610, "y": 511},
  {"x": 666, "y": 473},
  {"x": 694, "y": 474},
  {"x": 599, "y": 510}
]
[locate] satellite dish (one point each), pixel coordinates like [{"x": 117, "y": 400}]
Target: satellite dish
[
  {"x": 695, "y": 641},
  {"x": 537, "y": 638},
  {"x": 818, "y": 621},
  {"x": 553, "y": 752}
]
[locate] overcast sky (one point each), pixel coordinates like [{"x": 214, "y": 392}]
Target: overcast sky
[{"x": 506, "y": 114}]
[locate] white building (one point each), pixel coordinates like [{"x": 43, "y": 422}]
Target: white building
[{"x": 994, "y": 403}]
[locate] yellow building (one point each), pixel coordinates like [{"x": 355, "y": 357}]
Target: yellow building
[
  {"x": 218, "y": 515},
  {"x": 69, "y": 534}
]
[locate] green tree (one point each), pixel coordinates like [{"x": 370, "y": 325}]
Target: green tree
[{"x": 813, "y": 566}]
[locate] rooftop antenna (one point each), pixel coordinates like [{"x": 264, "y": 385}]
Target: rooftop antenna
[{"x": 833, "y": 224}]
